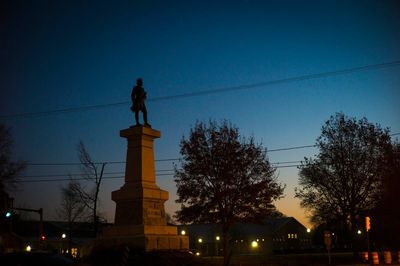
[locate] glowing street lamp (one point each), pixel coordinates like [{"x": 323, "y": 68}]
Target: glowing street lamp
[
  {"x": 254, "y": 244},
  {"x": 183, "y": 232},
  {"x": 308, "y": 230},
  {"x": 28, "y": 248},
  {"x": 200, "y": 240},
  {"x": 63, "y": 236},
  {"x": 359, "y": 232},
  {"x": 217, "y": 238}
]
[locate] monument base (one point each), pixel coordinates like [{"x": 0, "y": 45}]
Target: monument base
[
  {"x": 143, "y": 237},
  {"x": 139, "y": 214}
]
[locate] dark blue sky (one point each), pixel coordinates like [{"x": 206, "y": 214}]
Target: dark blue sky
[{"x": 62, "y": 54}]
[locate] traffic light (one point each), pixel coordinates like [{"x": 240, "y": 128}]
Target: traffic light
[
  {"x": 43, "y": 237},
  {"x": 367, "y": 223},
  {"x": 8, "y": 214}
]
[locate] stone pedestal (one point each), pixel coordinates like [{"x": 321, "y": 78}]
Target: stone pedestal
[{"x": 140, "y": 214}]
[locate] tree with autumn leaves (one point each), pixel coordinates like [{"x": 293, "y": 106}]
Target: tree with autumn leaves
[
  {"x": 346, "y": 179},
  {"x": 224, "y": 178}
]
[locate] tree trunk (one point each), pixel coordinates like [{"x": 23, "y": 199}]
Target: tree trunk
[
  {"x": 95, "y": 225},
  {"x": 226, "y": 248},
  {"x": 69, "y": 239},
  {"x": 95, "y": 217},
  {"x": 354, "y": 236}
]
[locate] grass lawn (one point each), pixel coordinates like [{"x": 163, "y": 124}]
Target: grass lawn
[{"x": 174, "y": 258}]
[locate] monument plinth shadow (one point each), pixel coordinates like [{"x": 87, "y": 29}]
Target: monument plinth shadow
[{"x": 140, "y": 215}]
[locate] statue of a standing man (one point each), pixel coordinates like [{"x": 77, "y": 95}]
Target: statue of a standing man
[{"x": 138, "y": 97}]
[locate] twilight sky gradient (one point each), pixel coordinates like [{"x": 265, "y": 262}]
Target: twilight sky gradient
[{"x": 62, "y": 54}]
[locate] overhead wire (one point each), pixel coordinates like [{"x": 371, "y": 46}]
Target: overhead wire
[
  {"x": 104, "y": 177},
  {"x": 174, "y": 159},
  {"x": 157, "y": 160},
  {"x": 211, "y": 91},
  {"x": 277, "y": 165}
]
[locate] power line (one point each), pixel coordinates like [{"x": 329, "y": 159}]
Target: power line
[
  {"x": 66, "y": 175},
  {"x": 212, "y": 91},
  {"x": 106, "y": 177},
  {"x": 83, "y": 174},
  {"x": 159, "y": 160},
  {"x": 77, "y": 163},
  {"x": 161, "y": 172},
  {"x": 287, "y": 162},
  {"x": 177, "y": 159},
  {"x": 62, "y": 179},
  {"x": 278, "y": 165},
  {"x": 292, "y": 148}
]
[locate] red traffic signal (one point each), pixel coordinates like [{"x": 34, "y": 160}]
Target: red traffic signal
[{"x": 43, "y": 238}]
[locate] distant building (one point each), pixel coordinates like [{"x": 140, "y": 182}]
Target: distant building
[{"x": 275, "y": 235}]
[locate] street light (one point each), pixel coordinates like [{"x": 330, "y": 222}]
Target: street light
[
  {"x": 63, "y": 236},
  {"x": 217, "y": 238},
  {"x": 308, "y": 230},
  {"x": 200, "y": 240},
  {"x": 359, "y": 232},
  {"x": 254, "y": 244},
  {"x": 183, "y": 232}
]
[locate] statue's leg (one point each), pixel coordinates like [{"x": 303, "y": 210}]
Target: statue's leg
[
  {"x": 144, "y": 110},
  {"x": 137, "y": 117}
]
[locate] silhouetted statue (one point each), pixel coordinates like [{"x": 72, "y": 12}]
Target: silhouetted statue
[{"x": 138, "y": 97}]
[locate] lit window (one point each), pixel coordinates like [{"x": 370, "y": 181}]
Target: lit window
[
  {"x": 288, "y": 235},
  {"x": 74, "y": 252}
]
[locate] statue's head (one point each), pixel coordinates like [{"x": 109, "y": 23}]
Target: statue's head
[{"x": 139, "y": 82}]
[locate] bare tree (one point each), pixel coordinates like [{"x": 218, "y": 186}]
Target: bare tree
[
  {"x": 71, "y": 210},
  {"x": 9, "y": 169},
  {"x": 93, "y": 174}
]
